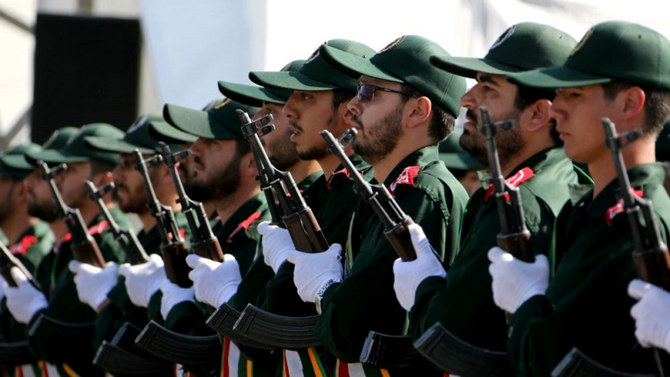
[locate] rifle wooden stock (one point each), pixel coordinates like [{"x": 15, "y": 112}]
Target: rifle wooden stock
[
  {"x": 210, "y": 250},
  {"x": 514, "y": 236},
  {"x": 172, "y": 247},
  {"x": 577, "y": 364},
  {"x": 377, "y": 196},
  {"x": 128, "y": 241},
  {"x": 455, "y": 356},
  {"x": 7, "y": 261},
  {"x": 295, "y": 215},
  {"x": 176, "y": 269},
  {"x": 84, "y": 247}
]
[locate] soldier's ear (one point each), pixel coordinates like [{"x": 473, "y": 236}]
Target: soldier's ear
[
  {"x": 418, "y": 111},
  {"x": 631, "y": 102},
  {"x": 538, "y": 114},
  {"x": 248, "y": 166}
]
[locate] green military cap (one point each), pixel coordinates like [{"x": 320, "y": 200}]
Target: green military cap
[
  {"x": 521, "y": 47},
  {"x": 138, "y": 136},
  {"x": 13, "y": 163},
  {"x": 609, "y": 51},
  {"x": 218, "y": 122},
  {"x": 254, "y": 95},
  {"x": 77, "y": 150},
  {"x": 454, "y": 156},
  {"x": 406, "y": 60},
  {"x": 316, "y": 74},
  {"x": 57, "y": 140}
]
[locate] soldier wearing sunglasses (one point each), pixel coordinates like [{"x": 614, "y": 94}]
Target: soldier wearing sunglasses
[{"x": 403, "y": 108}]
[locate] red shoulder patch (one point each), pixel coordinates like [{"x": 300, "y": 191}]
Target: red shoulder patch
[
  {"x": 616, "y": 209},
  {"x": 405, "y": 178},
  {"x": 22, "y": 246},
  {"x": 244, "y": 225},
  {"x": 517, "y": 179},
  {"x": 93, "y": 230}
]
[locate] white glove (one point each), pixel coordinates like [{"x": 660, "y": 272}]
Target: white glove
[
  {"x": 652, "y": 325},
  {"x": 408, "y": 275},
  {"x": 173, "y": 295},
  {"x": 143, "y": 280},
  {"x": 314, "y": 270},
  {"x": 214, "y": 283},
  {"x": 24, "y": 300},
  {"x": 276, "y": 244},
  {"x": 515, "y": 281},
  {"x": 93, "y": 283}
]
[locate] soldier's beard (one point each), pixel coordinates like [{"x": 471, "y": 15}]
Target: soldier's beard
[
  {"x": 508, "y": 143},
  {"x": 45, "y": 210},
  {"x": 221, "y": 185},
  {"x": 380, "y": 138}
]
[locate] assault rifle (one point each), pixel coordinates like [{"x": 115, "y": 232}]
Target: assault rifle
[
  {"x": 173, "y": 247},
  {"x": 203, "y": 241},
  {"x": 392, "y": 216},
  {"x": 9, "y": 260},
  {"x": 438, "y": 344},
  {"x": 651, "y": 257},
  {"x": 514, "y": 237},
  {"x": 84, "y": 247},
  {"x": 381, "y": 350},
  {"x": 254, "y": 325},
  {"x": 128, "y": 241}
]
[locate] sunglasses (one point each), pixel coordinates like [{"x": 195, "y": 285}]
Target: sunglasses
[{"x": 366, "y": 92}]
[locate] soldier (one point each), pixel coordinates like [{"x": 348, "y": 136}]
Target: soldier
[
  {"x": 29, "y": 240},
  {"x": 318, "y": 100},
  {"x": 530, "y": 157},
  {"x": 621, "y": 71},
  {"x": 32, "y": 307},
  {"x": 402, "y": 109}
]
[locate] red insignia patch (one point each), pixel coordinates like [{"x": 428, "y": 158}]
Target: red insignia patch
[
  {"x": 22, "y": 246},
  {"x": 520, "y": 177},
  {"x": 405, "y": 178},
  {"x": 244, "y": 225},
  {"x": 616, "y": 209}
]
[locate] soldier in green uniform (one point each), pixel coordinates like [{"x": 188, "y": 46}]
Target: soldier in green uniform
[
  {"x": 318, "y": 98},
  {"x": 621, "y": 71},
  {"x": 59, "y": 301},
  {"x": 403, "y": 108},
  {"x": 29, "y": 240},
  {"x": 103, "y": 290},
  {"x": 530, "y": 157}
]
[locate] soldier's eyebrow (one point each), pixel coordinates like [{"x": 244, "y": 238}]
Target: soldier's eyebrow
[{"x": 487, "y": 79}]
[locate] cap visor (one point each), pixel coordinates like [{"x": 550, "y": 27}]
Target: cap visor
[
  {"x": 289, "y": 80},
  {"x": 17, "y": 162},
  {"x": 118, "y": 146},
  {"x": 556, "y": 77},
  {"x": 252, "y": 95},
  {"x": 57, "y": 156},
  {"x": 469, "y": 67},
  {"x": 194, "y": 122},
  {"x": 460, "y": 161},
  {"x": 169, "y": 133},
  {"x": 354, "y": 65}
]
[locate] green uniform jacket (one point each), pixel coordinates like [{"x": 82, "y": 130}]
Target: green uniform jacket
[
  {"x": 64, "y": 305},
  {"x": 466, "y": 294},
  {"x": 365, "y": 300},
  {"x": 586, "y": 305}
]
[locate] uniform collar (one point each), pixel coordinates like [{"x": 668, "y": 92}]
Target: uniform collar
[{"x": 421, "y": 157}]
